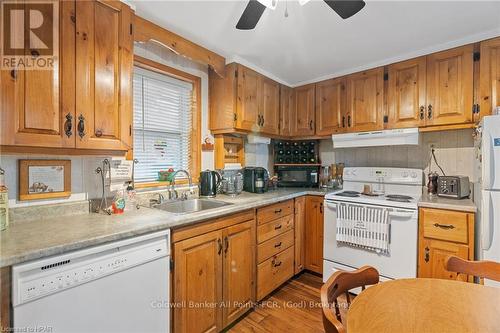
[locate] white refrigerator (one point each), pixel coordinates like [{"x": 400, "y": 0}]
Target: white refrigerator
[{"x": 487, "y": 191}]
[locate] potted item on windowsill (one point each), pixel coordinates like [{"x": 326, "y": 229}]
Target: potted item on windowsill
[{"x": 165, "y": 175}]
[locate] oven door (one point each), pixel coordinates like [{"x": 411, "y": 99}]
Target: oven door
[
  {"x": 297, "y": 176},
  {"x": 400, "y": 262}
]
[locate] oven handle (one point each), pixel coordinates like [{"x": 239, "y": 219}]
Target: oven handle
[
  {"x": 401, "y": 213},
  {"x": 331, "y": 204}
]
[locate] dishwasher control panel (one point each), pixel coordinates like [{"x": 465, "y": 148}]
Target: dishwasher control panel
[{"x": 32, "y": 280}]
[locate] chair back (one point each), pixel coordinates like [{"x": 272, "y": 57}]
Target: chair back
[
  {"x": 482, "y": 269},
  {"x": 339, "y": 284}
]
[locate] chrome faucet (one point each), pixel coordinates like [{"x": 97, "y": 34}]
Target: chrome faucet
[
  {"x": 160, "y": 200},
  {"x": 173, "y": 192}
]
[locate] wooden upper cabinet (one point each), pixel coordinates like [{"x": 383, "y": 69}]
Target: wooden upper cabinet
[
  {"x": 330, "y": 106},
  {"x": 38, "y": 105},
  {"x": 248, "y": 102},
  {"x": 489, "y": 76},
  {"x": 406, "y": 93},
  {"x": 287, "y": 106},
  {"x": 270, "y": 110},
  {"x": 450, "y": 86},
  {"x": 365, "y": 100},
  {"x": 304, "y": 113},
  {"x": 104, "y": 62},
  {"x": 198, "y": 279},
  {"x": 222, "y": 99}
]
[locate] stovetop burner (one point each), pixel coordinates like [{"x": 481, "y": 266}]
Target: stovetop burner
[
  {"x": 351, "y": 194},
  {"x": 398, "y": 198}
]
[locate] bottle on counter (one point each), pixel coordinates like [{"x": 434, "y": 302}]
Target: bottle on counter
[
  {"x": 4, "y": 202},
  {"x": 130, "y": 198}
]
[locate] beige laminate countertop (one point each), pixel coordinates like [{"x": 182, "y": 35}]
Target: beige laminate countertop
[
  {"x": 463, "y": 205},
  {"x": 34, "y": 239}
]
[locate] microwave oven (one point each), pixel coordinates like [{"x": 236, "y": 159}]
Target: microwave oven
[{"x": 297, "y": 176}]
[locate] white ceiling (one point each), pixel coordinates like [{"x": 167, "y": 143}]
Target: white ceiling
[{"x": 315, "y": 43}]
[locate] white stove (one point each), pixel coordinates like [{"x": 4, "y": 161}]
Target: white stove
[{"x": 386, "y": 196}]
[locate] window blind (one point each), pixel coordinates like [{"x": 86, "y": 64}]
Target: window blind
[{"x": 162, "y": 124}]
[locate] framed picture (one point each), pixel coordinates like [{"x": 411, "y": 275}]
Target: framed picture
[{"x": 44, "y": 179}]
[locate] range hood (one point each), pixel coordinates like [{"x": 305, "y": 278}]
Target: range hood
[{"x": 394, "y": 137}]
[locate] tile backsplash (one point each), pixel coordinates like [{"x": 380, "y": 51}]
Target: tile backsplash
[{"x": 454, "y": 151}]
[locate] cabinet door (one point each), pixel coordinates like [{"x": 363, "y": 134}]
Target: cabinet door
[
  {"x": 432, "y": 256},
  {"x": 248, "y": 102},
  {"x": 270, "y": 110},
  {"x": 314, "y": 234},
  {"x": 365, "y": 99},
  {"x": 300, "y": 223},
  {"x": 287, "y": 106},
  {"x": 104, "y": 60},
  {"x": 239, "y": 270},
  {"x": 303, "y": 115},
  {"x": 37, "y": 105},
  {"x": 406, "y": 93},
  {"x": 330, "y": 106},
  {"x": 450, "y": 86},
  {"x": 489, "y": 76},
  {"x": 197, "y": 280}
]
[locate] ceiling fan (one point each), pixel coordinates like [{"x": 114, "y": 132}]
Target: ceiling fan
[{"x": 255, "y": 8}]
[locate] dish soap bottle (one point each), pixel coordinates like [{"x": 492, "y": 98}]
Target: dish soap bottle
[{"x": 4, "y": 202}]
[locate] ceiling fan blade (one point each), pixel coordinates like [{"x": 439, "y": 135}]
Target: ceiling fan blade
[
  {"x": 251, "y": 15},
  {"x": 345, "y": 8}
]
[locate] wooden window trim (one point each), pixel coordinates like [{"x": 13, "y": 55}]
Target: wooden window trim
[{"x": 196, "y": 119}]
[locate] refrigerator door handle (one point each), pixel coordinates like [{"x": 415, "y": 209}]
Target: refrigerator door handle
[{"x": 487, "y": 224}]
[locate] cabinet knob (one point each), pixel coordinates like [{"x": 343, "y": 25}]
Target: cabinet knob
[
  {"x": 349, "y": 121},
  {"x": 13, "y": 74},
  {"x": 426, "y": 254},
  {"x": 98, "y": 133},
  {"x": 429, "y": 111},
  {"x": 422, "y": 112},
  {"x": 311, "y": 123}
]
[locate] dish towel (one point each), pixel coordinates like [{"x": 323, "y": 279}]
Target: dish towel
[{"x": 363, "y": 226}]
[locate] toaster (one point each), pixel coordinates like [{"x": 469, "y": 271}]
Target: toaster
[{"x": 456, "y": 187}]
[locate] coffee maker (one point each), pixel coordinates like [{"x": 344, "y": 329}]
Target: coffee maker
[{"x": 255, "y": 179}]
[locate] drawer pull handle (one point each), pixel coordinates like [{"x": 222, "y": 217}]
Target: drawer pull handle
[
  {"x": 278, "y": 227},
  {"x": 277, "y": 211},
  {"x": 277, "y": 245},
  {"x": 444, "y": 226},
  {"x": 219, "y": 245},
  {"x": 276, "y": 264}
]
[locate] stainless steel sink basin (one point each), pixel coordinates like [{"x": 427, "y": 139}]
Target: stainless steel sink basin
[{"x": 190, "y": 205}]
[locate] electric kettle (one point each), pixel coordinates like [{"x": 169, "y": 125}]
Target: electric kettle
[{"x": 209, "y": 182}]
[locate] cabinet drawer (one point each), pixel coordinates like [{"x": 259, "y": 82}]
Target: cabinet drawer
[
  {"x": 274, "y": 271},
  {"x": 274, "y": 245},
  {"x": 445, "y": 225},
  {"x": 273, "y": 212},
  {"x": 274, "y": 228}
]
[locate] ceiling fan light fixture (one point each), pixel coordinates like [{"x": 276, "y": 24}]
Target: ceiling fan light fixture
[
  {"x": 303, "y": 2},
  {"x": 271, "y": 4}
]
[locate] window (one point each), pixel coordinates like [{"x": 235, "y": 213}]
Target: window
[{"x": 165, "y": 122}]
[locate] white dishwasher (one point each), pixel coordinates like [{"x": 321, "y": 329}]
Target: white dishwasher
[{"x": 121, "y": 286}]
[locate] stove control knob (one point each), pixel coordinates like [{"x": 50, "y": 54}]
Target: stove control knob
[
  {"x": 414, "y": 175},
  {"x": 353, "y": 172},
  {"x": 347, "y": 172},
  {"x": 405, "y": 174}
]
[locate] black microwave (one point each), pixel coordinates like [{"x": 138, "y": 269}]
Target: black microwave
[{"x": 297, "y": 176}]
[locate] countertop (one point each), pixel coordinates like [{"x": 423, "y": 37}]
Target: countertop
[
  {"x": 463, "y": 205},
  {"x": 34, "y": 239}
]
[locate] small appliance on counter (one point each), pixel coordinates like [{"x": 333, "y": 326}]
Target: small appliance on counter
[
  {"x": 209, "y": 182},
  {"x": 255, "y": 179},
  {"x": 296, "y": 163},
  {"x": 456, "y": 187},
  {"x": 232, "y": 182}
]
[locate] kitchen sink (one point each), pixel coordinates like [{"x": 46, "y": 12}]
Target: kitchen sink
[{"x": 190, "y": 205}]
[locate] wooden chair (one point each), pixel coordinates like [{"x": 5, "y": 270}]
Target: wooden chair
[
  {"x": 482, "y": 269},
  {"x": 340, "y": 283}
]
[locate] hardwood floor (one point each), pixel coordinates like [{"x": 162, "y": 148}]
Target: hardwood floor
[{"x": 295, "y": 307}]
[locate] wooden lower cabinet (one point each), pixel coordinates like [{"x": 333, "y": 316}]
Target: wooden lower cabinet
[
  {"x": 274, "y": 271},
  {"x": 239, "y": 270},
  {"x": 300, "y": 220},
  {"x": 214, "y": 274},
  {"x": 443, "y": 233},
  {"x": 313, "y": 246}
]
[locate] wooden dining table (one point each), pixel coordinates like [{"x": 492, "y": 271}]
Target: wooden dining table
[{"x": 425, "y": 306}]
